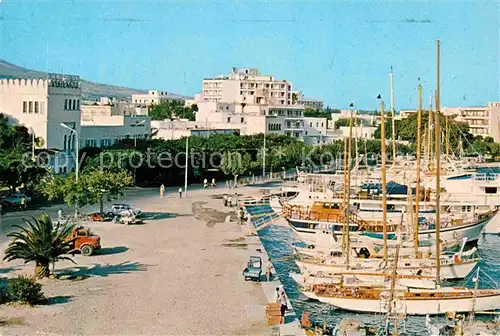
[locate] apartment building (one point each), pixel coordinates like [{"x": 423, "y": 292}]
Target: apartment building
[
  {"x": 42, "y": 105},
  {"x": 299, "y": 98},
  {"x": 483, "y": 120},
  {"x": 154, "y": 97},
  {"x": 247, "y": 86}
]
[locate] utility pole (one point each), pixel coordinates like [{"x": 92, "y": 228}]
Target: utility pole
[{"x": 186, "y": 167}]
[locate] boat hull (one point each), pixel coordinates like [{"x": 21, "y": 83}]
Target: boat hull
[
  {"x": 307, "y": 229},
  {"x": 412, "y": 307},
  {"x": 453, "y": 271}
]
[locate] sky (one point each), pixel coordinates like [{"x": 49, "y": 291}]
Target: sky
[{"x": 340, "y": 52}]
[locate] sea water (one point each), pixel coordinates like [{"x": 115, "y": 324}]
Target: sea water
[{"x": 277, "y": 241}]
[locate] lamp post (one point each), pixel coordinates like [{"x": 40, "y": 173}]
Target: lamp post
[
  {"x": 135, "y": 134},
  {"x": 77, "y": 159}
]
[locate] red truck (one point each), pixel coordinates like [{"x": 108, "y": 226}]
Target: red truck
[{"x": 84, "y": 241}]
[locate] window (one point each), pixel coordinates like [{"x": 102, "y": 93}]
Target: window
[
  {"x": 242, "y": 120},
  {"x": 490, "y": 190},
  {"x": 65, "y": 139},
  {"x": 74, "y": 104},
  {"x": 65, "y": 104},
  {"x": 228, "y": 119},
  {"x": 310, "y": 124},
  {"x": 30, "y": 107},
  {"x": 78, "y": 104},
  {"x": 37, "y": 107},
  {"x": 25, "y": 107}
]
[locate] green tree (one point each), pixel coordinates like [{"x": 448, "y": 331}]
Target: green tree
[
  {"x": 235, "y": 164},
  {"x": 94, "y": 186},
  {"x": 345, "y": 122},
  {"x": 172, "y": 108},
  {"x": 41, "y": 242}
]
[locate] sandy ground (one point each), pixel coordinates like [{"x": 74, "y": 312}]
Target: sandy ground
[{"x": 179, "y": 273}]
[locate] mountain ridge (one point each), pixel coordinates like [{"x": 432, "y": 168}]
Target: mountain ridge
[{"x": 90, "y": 89}]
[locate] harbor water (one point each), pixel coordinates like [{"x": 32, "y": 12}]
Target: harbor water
[{"x": 277, "y": 240}]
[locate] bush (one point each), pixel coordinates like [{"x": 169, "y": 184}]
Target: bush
[
  {"x": 4, "y": 294},
  {"x": 25, "y": 289}
]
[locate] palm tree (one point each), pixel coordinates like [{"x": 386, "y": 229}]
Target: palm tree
[{"x": 41, "y": 242}]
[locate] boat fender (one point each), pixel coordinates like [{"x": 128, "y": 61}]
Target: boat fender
[{"x": 456, "y": 258}]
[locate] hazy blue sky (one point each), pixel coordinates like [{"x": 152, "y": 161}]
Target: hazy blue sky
[{"x": 337, "y": 51}]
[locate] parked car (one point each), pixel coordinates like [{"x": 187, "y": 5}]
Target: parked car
[
  {"x": 14, "y": 200},
  {"x": 118, "y": 208},
  {"x": 84, "y": 241},
  {"x": 104, "y": 217}
]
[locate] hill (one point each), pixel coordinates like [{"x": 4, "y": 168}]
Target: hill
[{"x": 90, "y": 90}]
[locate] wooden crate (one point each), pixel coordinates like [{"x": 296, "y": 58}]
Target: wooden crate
[{"x": 274, "y": 320}]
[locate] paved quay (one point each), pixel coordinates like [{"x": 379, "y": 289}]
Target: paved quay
[{"x": 180, "y": 273}]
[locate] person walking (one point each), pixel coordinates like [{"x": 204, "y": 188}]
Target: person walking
[
  {"x": 277, "y": 295},
  {"x": 213, "y": 182},
  {"x": 205, "y": 183},
  {"x": 60, "y": 214},
  {"x": 162, "y": 190},
  {"x": 283, "y": 305},
  {"x": 268, "y": 269},
  {"x": 180, "y": 192},
  {"x": 23, "y": 203}
]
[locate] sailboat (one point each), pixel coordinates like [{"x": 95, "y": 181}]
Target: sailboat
[{"x": 404, "y": 299}]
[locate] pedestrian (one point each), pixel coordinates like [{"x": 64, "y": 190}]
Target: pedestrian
[
  {"x": 283, "y": 305},
  {"x": 205, "y": 183},
  {"x": 268, "y": 269},
  {"x": 162, "y": 190},
  {"x": 213, "y": 182},
  {"x": 23, "y": 203},
  {"x": 60, "y": 214},
  {"x": 225, "y": 200},
  {"x": 277, "y": 295},
  {"x": 241, "y": 215},
  {"x": 180, "y": 192}
]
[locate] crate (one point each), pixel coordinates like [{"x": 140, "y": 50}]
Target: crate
[{"x": 274, "y": 320}]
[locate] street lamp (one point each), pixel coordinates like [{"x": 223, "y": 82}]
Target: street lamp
[
  {"x": 135, "y": 134},
  {"x": 77, "y": 159}
]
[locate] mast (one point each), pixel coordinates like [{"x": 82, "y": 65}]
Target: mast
[
  {"x": 344, "y": 229},
  {"x": 429, "y": 130},
  {"x": 384, "y": 177},
  {"x": 393, "y": 122},
  {"x": 348, "y": 192},
  {"x": 447, "y": 137},
  {"x": 438, "y": 173},
  {"x": 419, "y": 149}
]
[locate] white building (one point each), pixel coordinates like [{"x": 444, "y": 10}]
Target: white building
[
  {"x": 104, "y": 131},
  {"x": 154, "y": 97},
  {"x": 247, "y": 86},
  {"x": 315, "y": 131},
  {"x": 483, "y": 120},
  {"x": 300, "y": 99},
  {"x": 41, "y": 105}
]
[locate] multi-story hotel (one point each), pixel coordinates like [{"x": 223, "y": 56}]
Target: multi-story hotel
[
  {"x": 247, "y": 86},
  {"x": 482, "y": 120}
]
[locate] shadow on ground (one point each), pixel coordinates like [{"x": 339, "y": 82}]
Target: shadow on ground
[
  {"x": 105, "y": 270},
  {"x": 112, "y": 250},
  {"x": 160, "y": 215},
  {"x": 8, "y": 270},
  {"x": 60, "y": 299}
]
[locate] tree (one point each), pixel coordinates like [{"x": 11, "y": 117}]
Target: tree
[
  {"x": 41, "y": 242},
  {"x": 235, "y": 164},
  {"x": 341, "y": 122},
  {"x": 94, "y": 186},
  {"x": 172, "y": 108}
]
